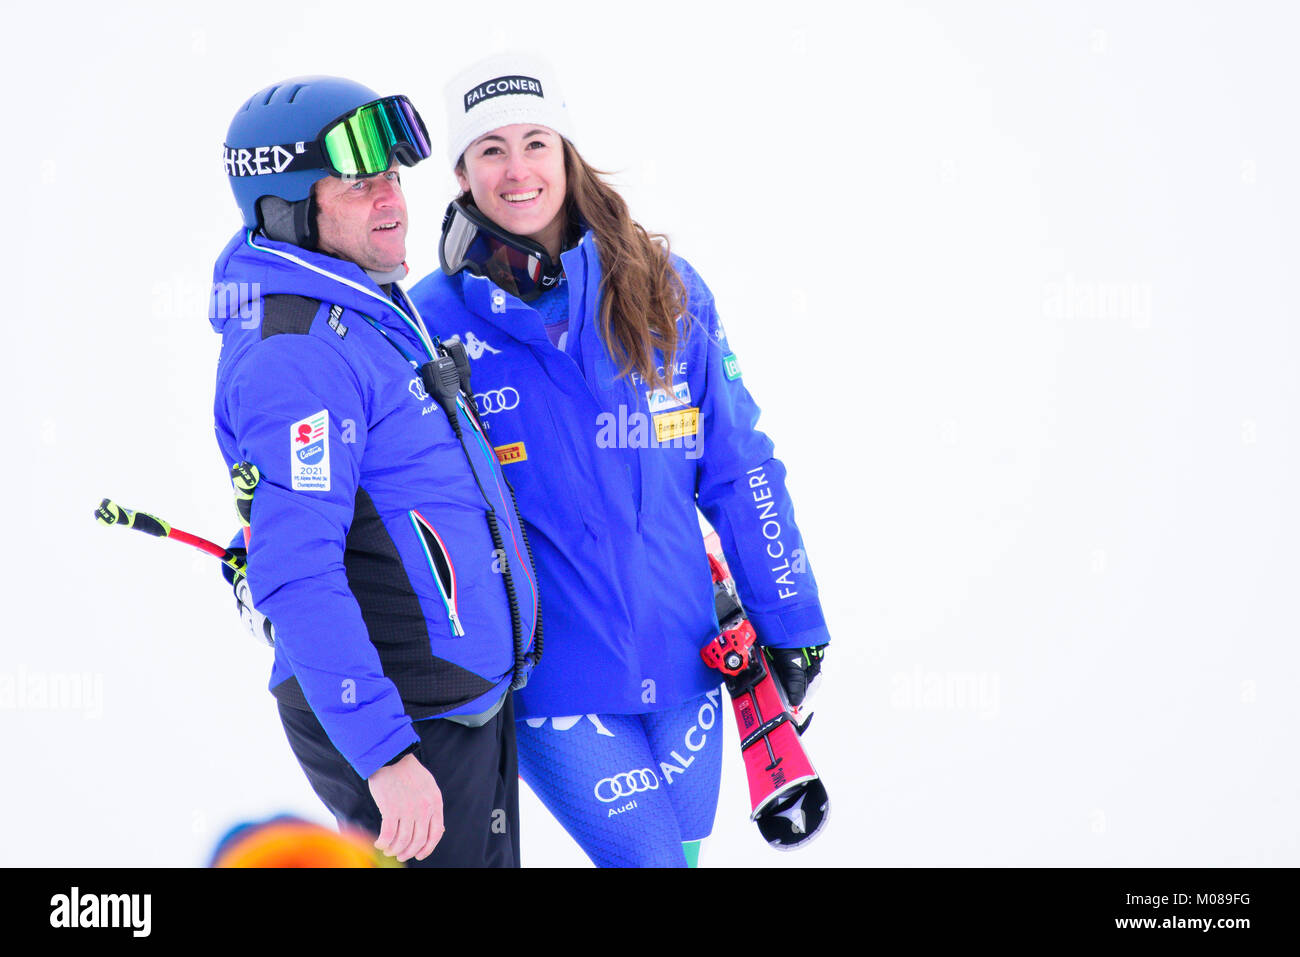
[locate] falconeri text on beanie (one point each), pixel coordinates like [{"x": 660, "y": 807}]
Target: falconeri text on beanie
[{"x": 501, "y": 90}]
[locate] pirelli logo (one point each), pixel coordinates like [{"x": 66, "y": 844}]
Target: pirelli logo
[
  {"x": 514, "y": 452},
  {"x": 675, "y": 425}
]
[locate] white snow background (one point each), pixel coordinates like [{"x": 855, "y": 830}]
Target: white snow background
[{"x": 1014, "y": 284}]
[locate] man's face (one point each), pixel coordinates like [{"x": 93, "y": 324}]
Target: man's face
[{"x": 363, "y": 220}]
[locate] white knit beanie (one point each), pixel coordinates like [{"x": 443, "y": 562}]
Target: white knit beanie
[{"x": 503, "y": 89}]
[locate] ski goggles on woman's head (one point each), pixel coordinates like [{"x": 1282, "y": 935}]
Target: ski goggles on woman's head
[
  {"x": 362, "y": 142},
  {"x": 517, "y": 264}
]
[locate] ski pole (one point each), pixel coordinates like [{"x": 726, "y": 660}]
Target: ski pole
[{"x": 110, "y": 513}]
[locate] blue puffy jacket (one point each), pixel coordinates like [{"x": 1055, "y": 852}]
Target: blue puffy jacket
[
  {"x": 370, "y": 547},
  {"x": 609, "y": 475}
]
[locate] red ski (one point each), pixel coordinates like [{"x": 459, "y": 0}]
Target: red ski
[{"x": 789, "y": 801}]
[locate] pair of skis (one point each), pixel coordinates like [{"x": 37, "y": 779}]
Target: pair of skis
[{"x": 788, "y": 800}]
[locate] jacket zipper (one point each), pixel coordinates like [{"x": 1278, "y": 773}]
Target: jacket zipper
[{"x": 444, "y": 572}]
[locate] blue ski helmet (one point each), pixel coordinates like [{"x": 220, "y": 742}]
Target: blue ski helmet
[{"x": 295, "y": 110}]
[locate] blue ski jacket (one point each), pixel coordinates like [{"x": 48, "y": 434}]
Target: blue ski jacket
[
  {"x": 370, "y": 545},
  {"x": 609, "y": 474}
]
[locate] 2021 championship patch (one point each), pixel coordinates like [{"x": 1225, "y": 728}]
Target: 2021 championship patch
[{"x": 309, "y": 453}]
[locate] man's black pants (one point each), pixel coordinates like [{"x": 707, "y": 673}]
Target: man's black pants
[{"x": 476, "y": 770}]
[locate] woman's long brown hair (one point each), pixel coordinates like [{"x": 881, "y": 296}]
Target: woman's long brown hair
[{"x": 641, "y": 294}]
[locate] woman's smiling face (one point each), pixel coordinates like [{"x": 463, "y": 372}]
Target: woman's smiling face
[{"x": 516, "y": 176}]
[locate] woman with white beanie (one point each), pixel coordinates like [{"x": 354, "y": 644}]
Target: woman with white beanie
[{"x": 606, "y": 385}]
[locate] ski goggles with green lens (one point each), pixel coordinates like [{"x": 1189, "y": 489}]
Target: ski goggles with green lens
[{"x": 360, "y": 143}]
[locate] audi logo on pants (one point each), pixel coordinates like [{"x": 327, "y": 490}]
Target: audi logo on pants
[
  {"x": 623, "y": 785},
  {"x": 496, "y": 400}
]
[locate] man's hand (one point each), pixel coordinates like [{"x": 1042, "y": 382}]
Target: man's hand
[
  {"x": 411, "y": 805},
  {"x": 795, "y": 669}
]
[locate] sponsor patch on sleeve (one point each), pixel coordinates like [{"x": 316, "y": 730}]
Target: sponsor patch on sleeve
[
  {"x": 674, "y": 425},
  {"x": 514, "y": 452},
  {"x": 309, "y": 453},
  {"x": 731, "y": 366}
]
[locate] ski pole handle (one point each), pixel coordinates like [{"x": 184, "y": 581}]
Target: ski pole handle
[
  {"x": 244, "y": 476},
  {"x": 110, "y": 513}
]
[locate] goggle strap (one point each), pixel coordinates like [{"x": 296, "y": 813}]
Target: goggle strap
[{"x": 265, "y": 160}]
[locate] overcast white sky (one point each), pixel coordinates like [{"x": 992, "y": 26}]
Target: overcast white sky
[{"x": 1013, "y": 283}]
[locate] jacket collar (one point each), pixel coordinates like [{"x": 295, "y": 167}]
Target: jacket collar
[
  {"x": 265, "y": 267},
  {"x": 515, "y": 317}
]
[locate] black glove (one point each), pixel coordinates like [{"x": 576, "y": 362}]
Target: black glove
[{"x": 795, "y": 669}]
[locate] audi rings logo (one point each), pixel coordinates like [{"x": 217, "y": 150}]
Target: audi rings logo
[
  {"x": 496, "y": 400},
  {"x": 417, "y": 390},
  {"x": 624, "y": 785}
]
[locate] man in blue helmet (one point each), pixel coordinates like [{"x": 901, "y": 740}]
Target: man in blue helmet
[{"x": 383, "y": 541}]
